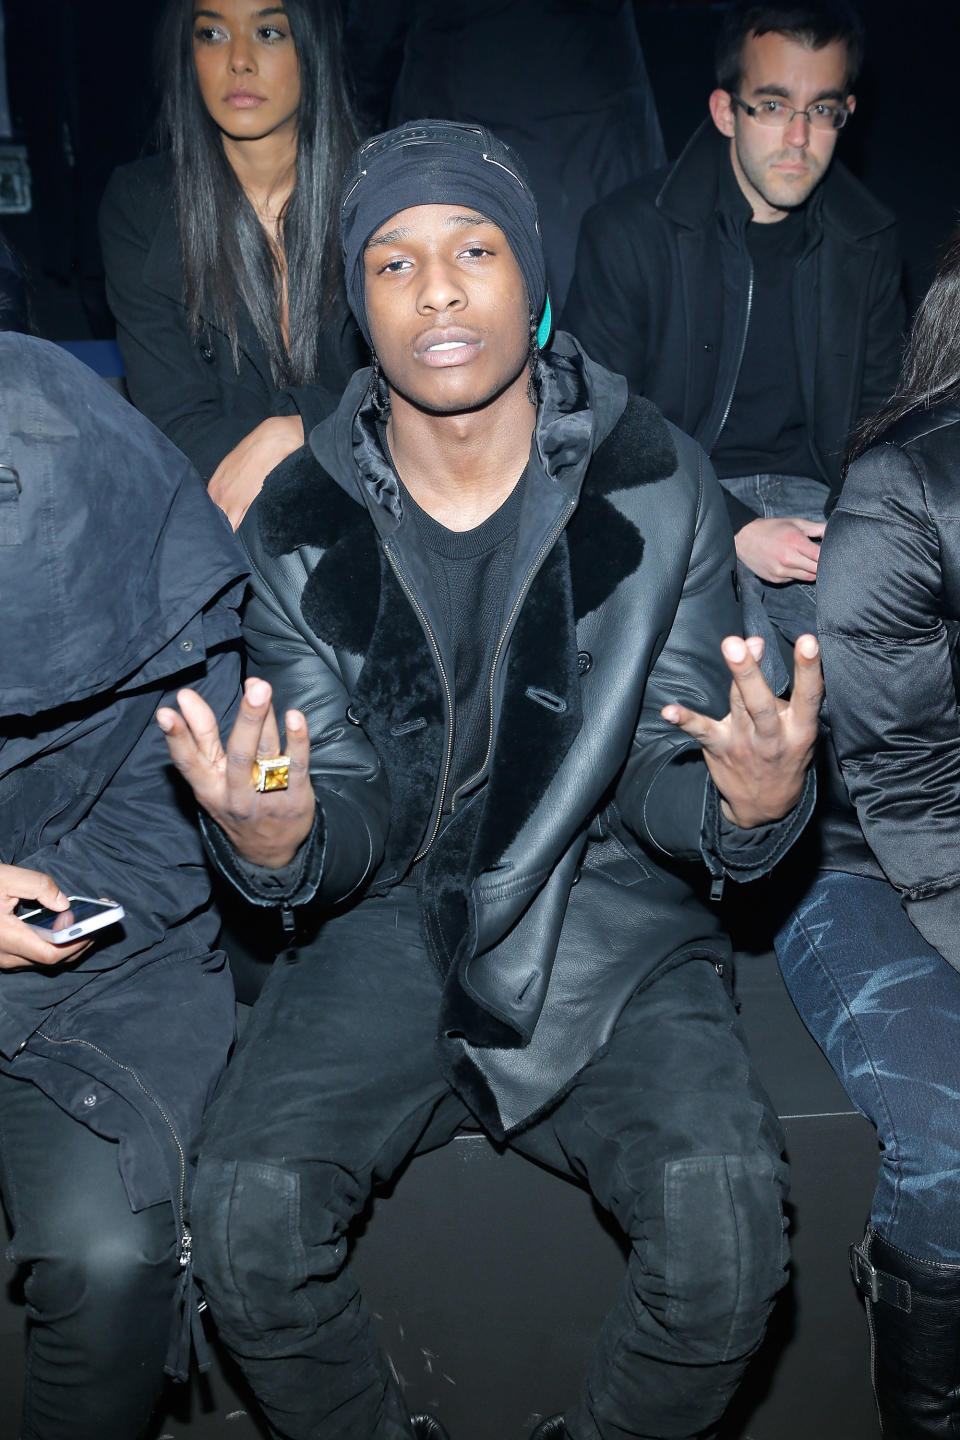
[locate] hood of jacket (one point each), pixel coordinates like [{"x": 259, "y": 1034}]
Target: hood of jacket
[
  {"x": 567, "y": 377},
  {"x": 109, "y": 542}
]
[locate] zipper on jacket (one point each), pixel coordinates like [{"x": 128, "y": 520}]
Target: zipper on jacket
[
  {"x": 743, "y": 346},
  {"x": 185, "y": 1238},
  {"x": 446, "y": 690},
  {"x": 522, "y": 595}
]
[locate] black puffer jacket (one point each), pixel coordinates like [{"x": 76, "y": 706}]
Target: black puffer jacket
[
  {"x": 564, "y": 883},
  {"x": 889, "y": 616},
  {"x": 120, "y": 582},
  {"x": 192, "y": 389}
]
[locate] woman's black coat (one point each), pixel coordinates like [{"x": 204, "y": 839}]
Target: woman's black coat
[
  {"x": 888, "y": 601},
  {"x": 191, "y": 388}
]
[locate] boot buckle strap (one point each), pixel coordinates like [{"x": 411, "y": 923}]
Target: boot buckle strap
[{"x": 878, "y": 1284}]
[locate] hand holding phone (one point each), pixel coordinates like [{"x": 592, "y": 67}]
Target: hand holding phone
[
  {"x": 64, "y": 927},
  {"x": 23, "y": 946}
]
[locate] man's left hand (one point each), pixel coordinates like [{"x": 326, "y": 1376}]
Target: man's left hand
[{"x": 759, "y": 753}]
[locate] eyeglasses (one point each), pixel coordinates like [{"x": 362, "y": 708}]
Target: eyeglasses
[{"x": 823, "y": 115}]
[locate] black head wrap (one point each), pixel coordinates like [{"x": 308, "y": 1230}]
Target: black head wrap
[{"x": 438, "y": 162}]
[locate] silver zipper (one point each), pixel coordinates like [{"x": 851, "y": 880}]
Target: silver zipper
[
  {"x": 446, "y": 687},
  {"x": 743, "y": 346},
  {"x": 538, "y": 561},
  {"x": 186, "y": 1239}
]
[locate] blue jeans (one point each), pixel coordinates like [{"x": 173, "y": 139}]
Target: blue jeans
[
  {"x": 885, "y": 1009},
  {"x": 792, "y": 606}
]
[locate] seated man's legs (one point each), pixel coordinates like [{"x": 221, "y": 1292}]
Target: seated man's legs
[
  {"x": 333, "y": 1085},
  {"x": 102, "y": 1280},
  {"x": 675, "y": 1137},
  {"x": 881, "y": 1003}
]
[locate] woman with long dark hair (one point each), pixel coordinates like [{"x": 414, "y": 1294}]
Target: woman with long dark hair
[
  {"x": 872, "y": 952},
  {"x": 221, "y": 254}
]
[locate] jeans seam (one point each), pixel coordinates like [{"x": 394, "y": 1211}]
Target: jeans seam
[{"x": 895, "y": 1162}]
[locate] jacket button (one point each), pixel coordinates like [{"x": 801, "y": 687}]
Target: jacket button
[
  {"x": 352, "y": 715},
  {"x": 186, "y": 645},
  {"x": 89, "y": 1100},
  {"x": 584, "y": 662},
  {"x": 207, "y": 353}
]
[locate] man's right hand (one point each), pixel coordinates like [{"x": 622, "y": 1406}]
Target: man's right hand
[
  {"x": 20, "y": 945},
  {"x": 267, "y": 828},
  {"x": 781, "y": 550}
]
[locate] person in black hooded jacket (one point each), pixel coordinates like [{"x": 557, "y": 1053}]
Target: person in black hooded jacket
[
  {"x": 495, "y": 589},
  {"x": 120, "y": 580}
]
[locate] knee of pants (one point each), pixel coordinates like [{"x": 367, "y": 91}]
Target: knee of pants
[
  {"x": 715, "y": 1266},
  {"x": 106, "y": 1276},
  {"x": 258, "y": 1241}
]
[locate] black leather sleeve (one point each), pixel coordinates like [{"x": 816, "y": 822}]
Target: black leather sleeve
[
  {"x": 666, "y": 795},
  {"x": 346, "y": 845},
  {"x": 891, "y": 699}
]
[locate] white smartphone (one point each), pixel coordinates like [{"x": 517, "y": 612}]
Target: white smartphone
[{"x": 62, "y": 927}]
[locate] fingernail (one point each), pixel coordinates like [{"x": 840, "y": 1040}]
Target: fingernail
[
  {"x": 734, "y": 648},
  {"x": 294, "y": 720},
  {"x": 670, "y": 714},
  {"x": 165, "y": 721},
  {"x": 257, "y": 692},
  {"x": 809, "y": 646}
]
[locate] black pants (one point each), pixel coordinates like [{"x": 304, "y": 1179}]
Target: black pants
[
  {"x": 335, "y": 1085},
  {"x": 101, "y": 1280}
]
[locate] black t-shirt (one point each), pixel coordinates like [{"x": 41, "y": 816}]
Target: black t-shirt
[
  {"x": 765, "y": 431},
  {"x": 471, "y": 572}
]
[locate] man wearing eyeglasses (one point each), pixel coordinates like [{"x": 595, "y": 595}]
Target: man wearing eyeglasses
[{"x": 753, "y": 289}]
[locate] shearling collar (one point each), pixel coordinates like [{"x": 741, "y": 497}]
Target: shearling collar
[{"x": 314, "y": 498}]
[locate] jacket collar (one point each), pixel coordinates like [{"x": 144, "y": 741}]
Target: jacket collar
[
  {"x": 580, "y": 403},
  {"x": 695, "y": 189}
]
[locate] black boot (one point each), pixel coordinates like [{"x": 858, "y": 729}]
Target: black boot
[
  {"x": 426, "y": 1427},
  {"x": 913, "y": 1310},
  {"x": 551, "y": 1429}
]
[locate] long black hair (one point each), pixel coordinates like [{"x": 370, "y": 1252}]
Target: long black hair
[
  {"x": 227, "y": 259},
  {"x": 931, "y": 365}
]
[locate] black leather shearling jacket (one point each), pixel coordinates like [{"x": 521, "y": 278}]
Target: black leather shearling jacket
[{"x": 565, "y": 882}]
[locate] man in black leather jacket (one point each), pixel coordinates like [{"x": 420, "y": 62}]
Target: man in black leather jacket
[
  {"x": 753, "y": 290},
  {"x": 495, "y": 591}
]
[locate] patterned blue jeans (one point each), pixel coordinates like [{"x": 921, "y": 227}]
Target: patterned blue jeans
[{"x": 884, "y": 1007}]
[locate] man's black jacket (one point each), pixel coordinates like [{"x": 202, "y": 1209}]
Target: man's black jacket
[
  {"x": 662, "y": 294},
  {"x": 564, "y": 883}
]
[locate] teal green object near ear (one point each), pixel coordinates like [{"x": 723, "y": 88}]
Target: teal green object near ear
[{"x": 546, "y": 324}]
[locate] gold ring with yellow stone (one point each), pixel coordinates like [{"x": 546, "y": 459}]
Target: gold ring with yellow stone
[{"x": 272, "y": 774}]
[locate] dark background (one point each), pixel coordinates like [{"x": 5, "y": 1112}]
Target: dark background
[{"x": 82, "y": 99}]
